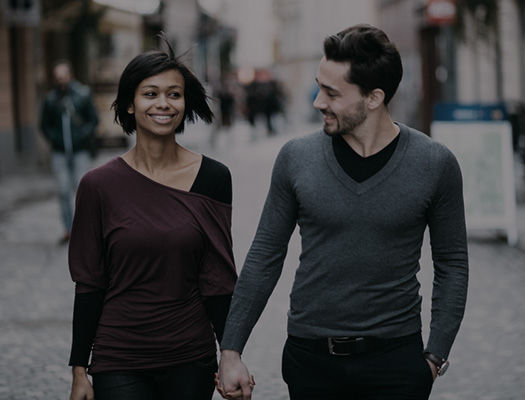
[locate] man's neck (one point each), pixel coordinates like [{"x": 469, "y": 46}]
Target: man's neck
[{"x": 373, "y": 135}]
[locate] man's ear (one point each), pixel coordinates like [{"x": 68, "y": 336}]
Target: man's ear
[
  {"x": 131, "y": 109},
  {"x": 376, "y": 99}
]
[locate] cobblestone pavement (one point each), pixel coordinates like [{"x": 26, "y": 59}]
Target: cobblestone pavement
[{"x": 36, "y": 293}]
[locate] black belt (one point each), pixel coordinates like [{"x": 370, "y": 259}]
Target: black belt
[{"x": 346, "y": 346}]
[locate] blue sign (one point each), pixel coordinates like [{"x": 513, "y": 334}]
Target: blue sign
[{"x": 470, "y": 112}]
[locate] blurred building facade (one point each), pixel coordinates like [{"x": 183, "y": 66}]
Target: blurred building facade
[{"x": 484, "y": 61}]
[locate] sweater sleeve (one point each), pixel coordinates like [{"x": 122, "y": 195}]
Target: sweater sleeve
[
  {"x": 264, "y": 262},
  {"x": 448, "y": 239}
]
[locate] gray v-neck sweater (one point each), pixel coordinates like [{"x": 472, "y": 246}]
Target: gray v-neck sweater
[{"x": 361, "y": 244}]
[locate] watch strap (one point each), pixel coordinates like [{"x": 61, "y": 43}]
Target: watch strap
[
  {"x": 441, "y": 364},
  {"x": 438, "y": 362}
]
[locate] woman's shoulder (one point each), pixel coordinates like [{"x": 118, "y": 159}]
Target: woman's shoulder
[
  {"x": 214, "y": 180},
  {"x": 214, "y": 167},
  {"x": 107, "y": 172}
]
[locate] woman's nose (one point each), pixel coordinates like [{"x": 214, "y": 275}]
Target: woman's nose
[{"x": 162, "y": 102}]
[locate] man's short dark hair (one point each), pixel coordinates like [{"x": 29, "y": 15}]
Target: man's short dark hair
[
  {"x": 374, "y": 60},
  {"x": 152, "y": 63}
]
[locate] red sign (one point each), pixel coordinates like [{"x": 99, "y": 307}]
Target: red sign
[{"x": 441, "y": 12}]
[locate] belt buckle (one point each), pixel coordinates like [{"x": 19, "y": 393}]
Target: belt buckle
[{"x": 334, "y": 341}]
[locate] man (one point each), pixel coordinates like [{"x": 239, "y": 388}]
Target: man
[
  {"x": 68, "y": 122},
  {"x": 363, "y": 193}
]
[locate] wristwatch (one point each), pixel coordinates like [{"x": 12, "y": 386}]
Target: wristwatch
[{"x": 441, "y": 364}]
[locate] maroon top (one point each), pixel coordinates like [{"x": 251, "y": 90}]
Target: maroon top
[{"x": 156, "y": 252}]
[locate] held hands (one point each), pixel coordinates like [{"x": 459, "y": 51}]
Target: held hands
[{"x": 233, "y": 381}]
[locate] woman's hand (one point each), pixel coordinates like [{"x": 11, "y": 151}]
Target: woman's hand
[{"x": 81, "y": 389}]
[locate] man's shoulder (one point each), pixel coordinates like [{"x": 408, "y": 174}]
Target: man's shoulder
[
  {"x": 414, "y": 133},
  {"x": 51, "y": 96},
  {"x": 80, "y": 89},
  {"x": 305, "y": 142},
  {"x": 420, "y": 138},
  {"x": 426, "y": 147}
]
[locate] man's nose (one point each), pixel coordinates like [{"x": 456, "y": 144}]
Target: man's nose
[{"x": 319, "y": 102}]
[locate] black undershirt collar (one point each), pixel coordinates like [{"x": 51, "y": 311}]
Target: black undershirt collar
[{"x": 361, "y": 168}]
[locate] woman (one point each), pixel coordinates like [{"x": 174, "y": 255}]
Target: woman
[{"x": 151, "y": 250}]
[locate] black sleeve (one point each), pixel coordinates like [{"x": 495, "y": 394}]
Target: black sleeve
[
  {"x": 86, "y": 314},
  {"x": 217, "y": 308},
  {"x": 214, "y": 180}
]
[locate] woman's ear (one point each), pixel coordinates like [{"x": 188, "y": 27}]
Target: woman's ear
[
  {"x": 376, "y": 98},
  {"x": 131, "y": 109}
]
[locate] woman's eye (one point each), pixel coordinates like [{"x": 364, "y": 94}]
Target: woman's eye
[
  {"x": 175, "y": 95},
  {"x": 150, "y": 94}
]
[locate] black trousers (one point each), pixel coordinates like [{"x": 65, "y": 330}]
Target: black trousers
[
  {"x": 397, "y": 371},
  {"x": 192, "y": 381}
]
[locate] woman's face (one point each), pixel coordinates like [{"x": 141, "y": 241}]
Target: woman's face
[{"x": 159, "y": 104}]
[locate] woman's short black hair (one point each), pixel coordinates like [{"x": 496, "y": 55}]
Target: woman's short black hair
[
  {"x": 152, "y": 63},
  {"x": 374, "y": 60}
]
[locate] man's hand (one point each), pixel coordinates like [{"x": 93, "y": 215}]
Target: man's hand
[
  {"x": 233, "y": 380},
  {"x": 81, "y": 388}
]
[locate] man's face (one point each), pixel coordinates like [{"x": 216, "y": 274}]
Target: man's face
[
  {"x": 342, "y": 104},
  {"x": 62, "y": 75}
]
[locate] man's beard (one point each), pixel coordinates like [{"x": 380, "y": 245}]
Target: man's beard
[{"x": 347, "y": 123}]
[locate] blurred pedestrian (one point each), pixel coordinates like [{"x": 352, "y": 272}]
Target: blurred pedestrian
[
  {"x": 363, "y": 193},
  {"x": 227, "y": 95},
  {"x": 68, "y": 122},
  {"x": 151, "y": 248},
  {"x": 263, "y": 99}
]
